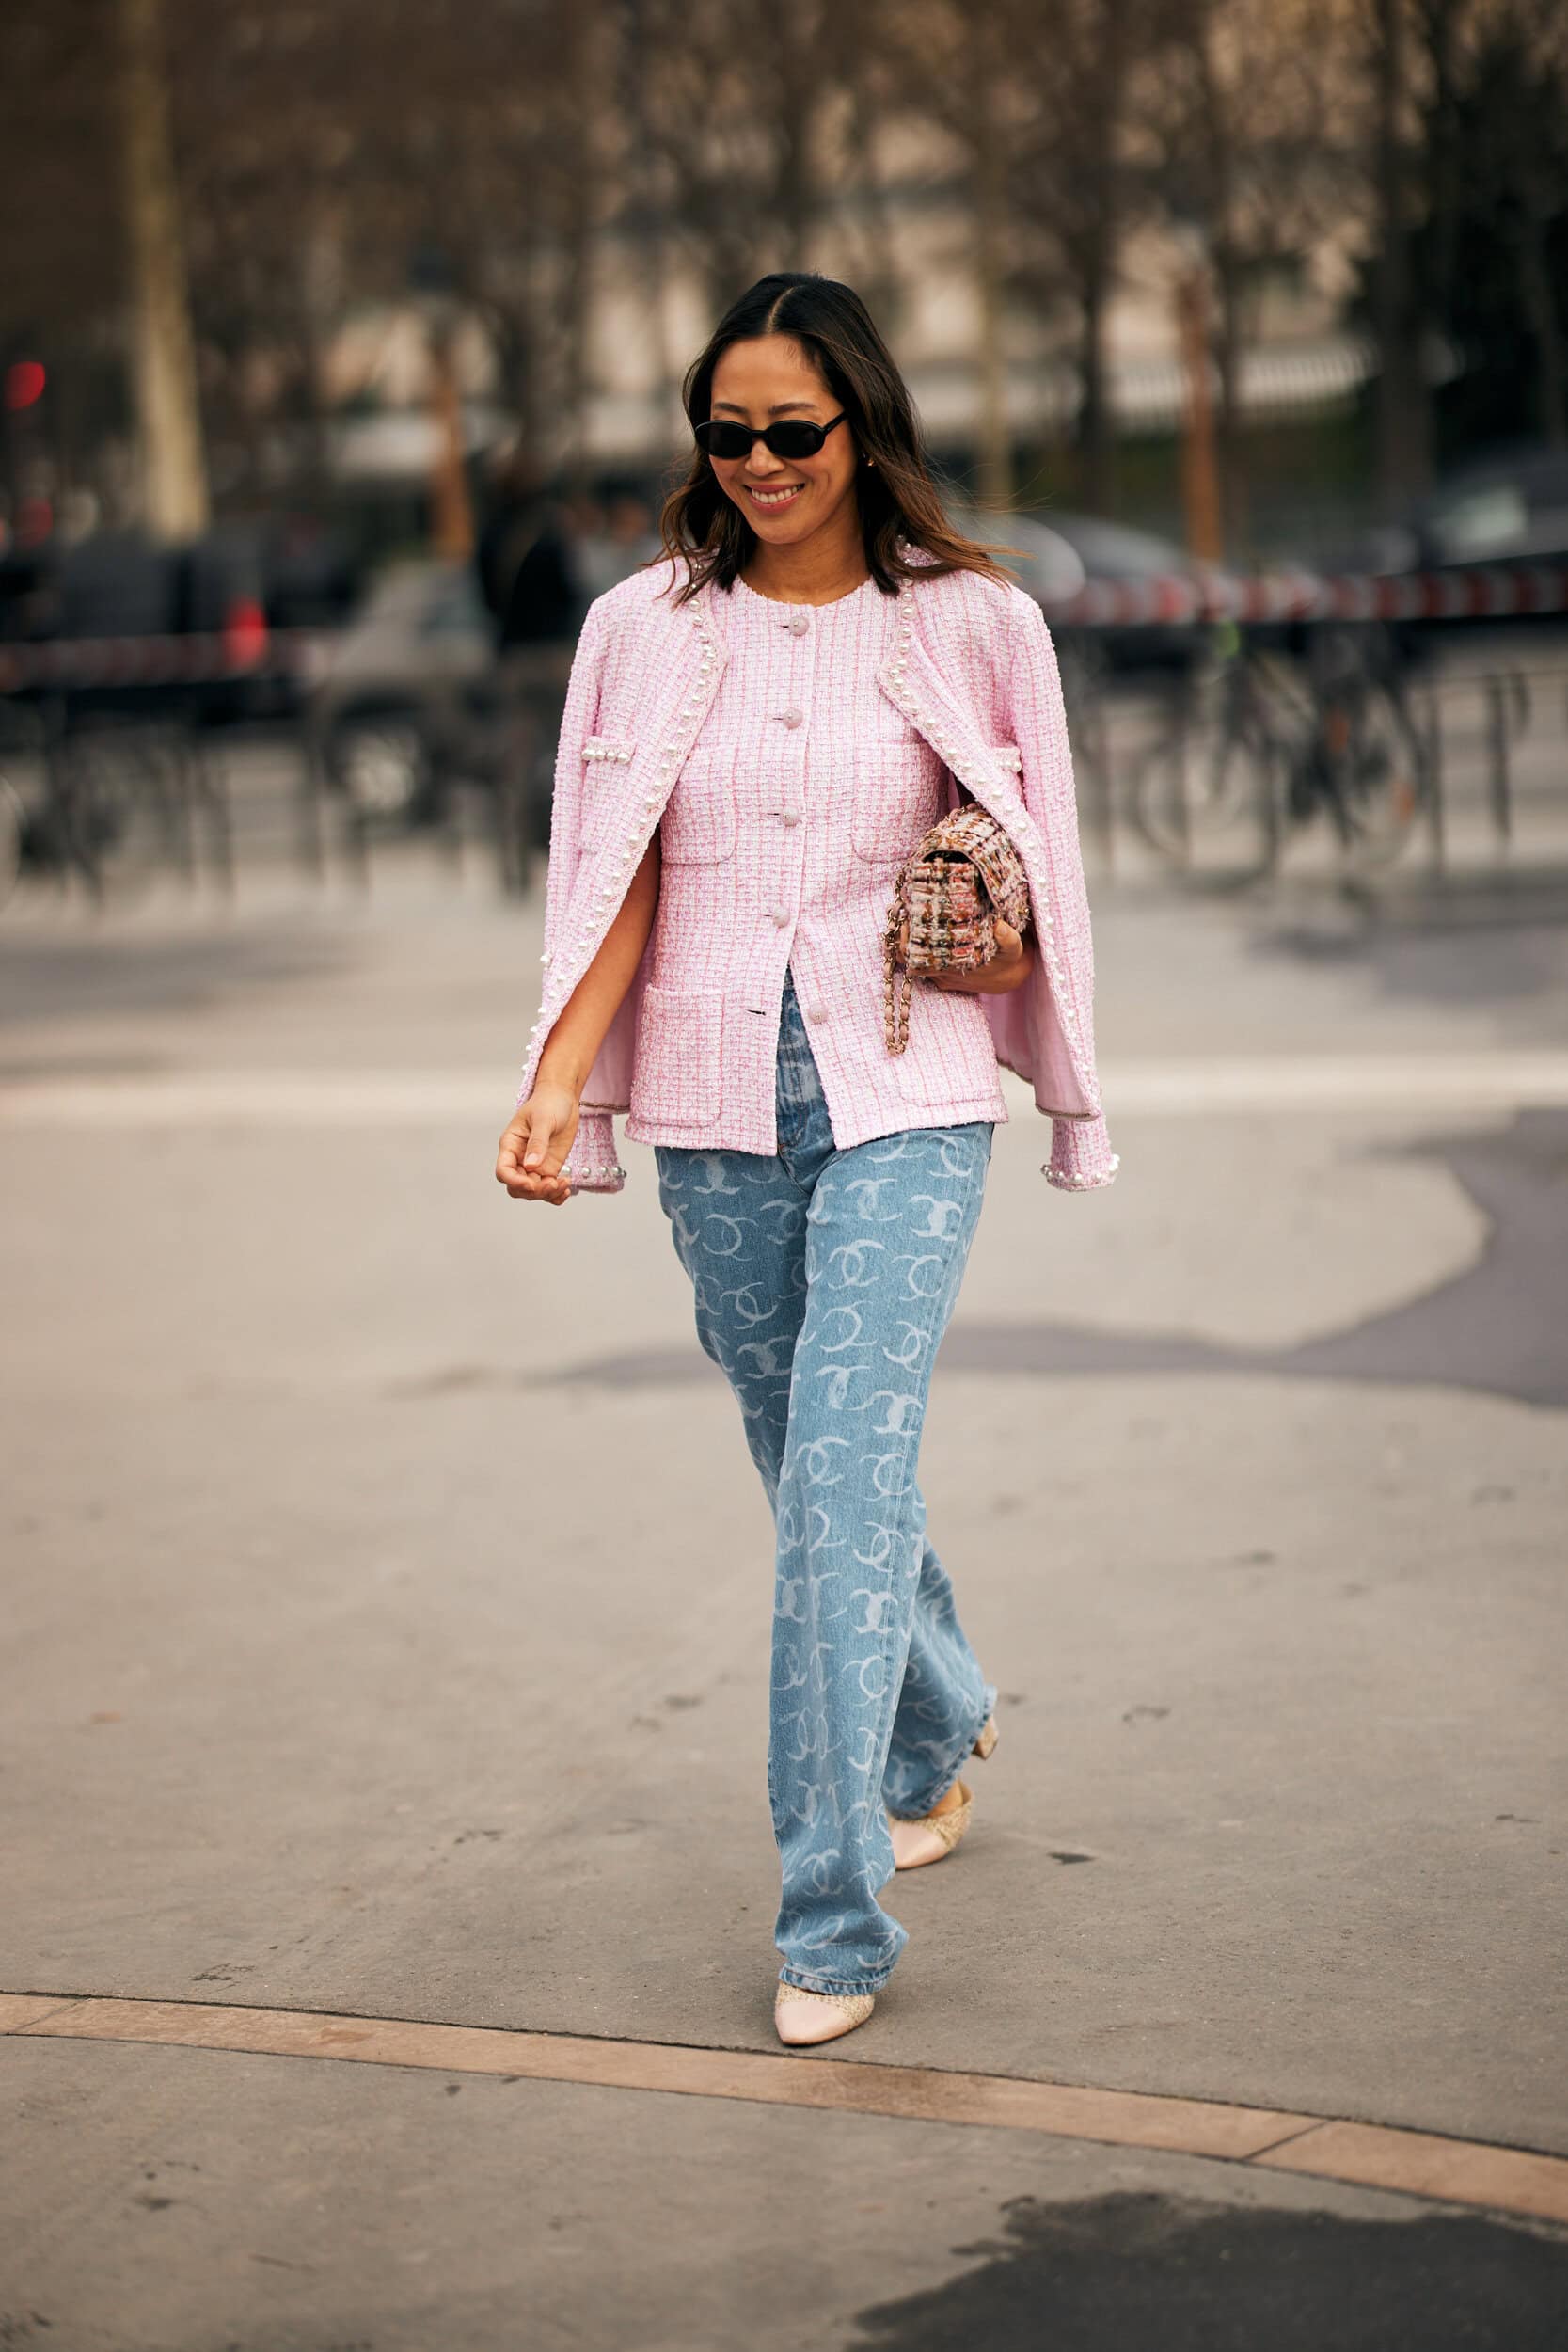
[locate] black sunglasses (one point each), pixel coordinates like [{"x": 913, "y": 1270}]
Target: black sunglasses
[{"x": 792, "y": 437}]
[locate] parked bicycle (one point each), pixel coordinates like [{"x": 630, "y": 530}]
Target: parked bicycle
[
  {"x": 1268, "y": 742},
  {"x": 103, "y": 805}
]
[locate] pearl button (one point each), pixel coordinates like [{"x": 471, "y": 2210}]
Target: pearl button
[
  {"x": 798, "y": 625},
  {"x": 790, "y": 717},
  {"x": 816, "y": 1012},
  {"x": 780, "y": 916},
  {"x": 790, "y": 816}
]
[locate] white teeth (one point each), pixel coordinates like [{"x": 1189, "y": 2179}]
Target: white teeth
[{"x": 776, "y": 498}]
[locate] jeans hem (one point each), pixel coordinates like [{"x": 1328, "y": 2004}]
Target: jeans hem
[
  {"x": 951, "y": 1772},
  {"x": 806, "y": 1980}
]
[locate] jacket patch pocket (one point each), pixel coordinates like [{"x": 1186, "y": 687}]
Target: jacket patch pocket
[
  {"x": 951, "y": 1055},
  {"x": 899, "y": 793},
  {"x": 675, "y": 1075},
  {"x": 697, "y": 827}
]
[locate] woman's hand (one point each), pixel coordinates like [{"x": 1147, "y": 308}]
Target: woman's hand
[
  {"x": 533, "y": 1150},
  {"x": 1008, "y": 968}
]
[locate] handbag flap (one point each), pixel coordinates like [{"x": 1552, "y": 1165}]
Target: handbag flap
[{"x": 973, "y": 833}]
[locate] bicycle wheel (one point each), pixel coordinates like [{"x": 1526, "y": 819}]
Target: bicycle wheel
[
  {"x": 1202, "y": 779},
  {"x": 1375, "y": 777},
  {"x": 114, "y": 819},
  {"x": 13, "y": 830}
]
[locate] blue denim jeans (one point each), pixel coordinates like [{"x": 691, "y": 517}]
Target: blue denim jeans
[{"x": 824, "y": 1281}]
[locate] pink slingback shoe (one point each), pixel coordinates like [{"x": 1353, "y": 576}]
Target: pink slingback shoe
[
  {"x": 931, "y": 1836},
  {"x": 803, "y": 2018}
]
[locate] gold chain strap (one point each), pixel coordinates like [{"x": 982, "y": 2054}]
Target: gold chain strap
[{"x": 896, "y": 1014}]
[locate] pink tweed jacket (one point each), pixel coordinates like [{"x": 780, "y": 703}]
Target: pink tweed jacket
[{"x": 969, "y": 677}]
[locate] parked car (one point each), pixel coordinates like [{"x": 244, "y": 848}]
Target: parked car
[
  {"x": 411, "y": 697},
  {"x": 405, "y": 700},
  {"x": 1118, "y": 553},
  {"x": 1509, "y": 506},
  {"x": 1071, "y": 549},
  {"x": 240, "y": 581},
  {"x": 1048, "y": 565}
]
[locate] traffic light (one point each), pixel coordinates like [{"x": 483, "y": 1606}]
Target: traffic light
[{"x": 26, "y": 380}]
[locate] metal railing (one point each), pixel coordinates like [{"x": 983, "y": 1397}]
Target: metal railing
[{"x": 1249, "y": 747}]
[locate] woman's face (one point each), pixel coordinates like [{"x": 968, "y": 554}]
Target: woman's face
[{"x": 785, "y": 500}]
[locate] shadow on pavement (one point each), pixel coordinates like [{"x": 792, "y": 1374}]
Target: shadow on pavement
[
  {"x": 1499, "y": 939},
  {"x": 1146, "y": 2273},
  {"x": 1501, "y": 1326},
  {"x": 55, "y": 979}
]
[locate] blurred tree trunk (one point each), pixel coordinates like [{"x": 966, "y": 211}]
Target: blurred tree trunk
[
  {"x": 1095, "y": 94},
  {"x": 876, "y": 265},
  {"x": 995, "y": 451},
  {"x": 1068, "y": 99},
  {"x": 1538, "y": 302},
  {"x": 1092, "y": 257},
  {"x": 1404, "y": 425},
  {"x": 956, "y": 73},
  {"x": 1244, "y": 130},
  {"x": 1218, "y": 133},
  {"x": 168, "y": 415},
  {"x": 580, "y": 182},
  {"x": 1230, "y": 423},
  {"x": 796, "y": 101},
  {"x": 1097, "y": 480},
  {"x": 1440, "y": 29},
  {"x": 452, "y": 510},
  {"x": 1200, "y": 480},
  {"x": 648, "y": 204}
]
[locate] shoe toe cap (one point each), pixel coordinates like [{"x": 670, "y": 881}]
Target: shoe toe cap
[
  {"x": 803, "y": 2018},
  {"x": 913, "y": 1844}
]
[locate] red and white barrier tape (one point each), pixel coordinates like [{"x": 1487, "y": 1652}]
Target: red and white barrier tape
[
  {"x": 1171, "y": 600},
  {"x": 192, "y": 660},
  {"x": 1496, "y": 592}
]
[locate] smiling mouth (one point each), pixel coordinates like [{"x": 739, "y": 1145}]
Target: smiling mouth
[{"x": 774, "y": 498}]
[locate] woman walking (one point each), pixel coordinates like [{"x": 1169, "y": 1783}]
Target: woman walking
[{"x": 759, "y": 728}]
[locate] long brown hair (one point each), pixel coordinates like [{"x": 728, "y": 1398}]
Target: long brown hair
[{"x": 898, "y": 499}]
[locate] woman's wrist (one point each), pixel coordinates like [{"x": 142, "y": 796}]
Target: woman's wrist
[
  {"x": 555, "y": 1071},
  {"x": 1005, "y": 973}
]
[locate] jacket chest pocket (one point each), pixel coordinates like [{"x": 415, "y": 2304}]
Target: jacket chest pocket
[
  {"x": 606, "y": 765},
  {"x": 698, "y": 824},
  {"x": 897, "y": 792}
]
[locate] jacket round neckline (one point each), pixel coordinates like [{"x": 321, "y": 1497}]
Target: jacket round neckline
[{"x": 778, "y": 604}]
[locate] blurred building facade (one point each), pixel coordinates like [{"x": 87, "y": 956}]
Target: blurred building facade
[{"x": 253, "y": 252}]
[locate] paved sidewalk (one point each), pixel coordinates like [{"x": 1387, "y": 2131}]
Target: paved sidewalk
[{"x": 389, "y": 1631}]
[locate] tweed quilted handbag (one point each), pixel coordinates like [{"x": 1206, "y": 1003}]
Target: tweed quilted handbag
[{"x": 950, "y": 890}]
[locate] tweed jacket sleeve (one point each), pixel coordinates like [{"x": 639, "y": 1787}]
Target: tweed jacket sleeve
[
  {"x": 593, "y": 1154},
  {"x": 1027, "y": 1038}
]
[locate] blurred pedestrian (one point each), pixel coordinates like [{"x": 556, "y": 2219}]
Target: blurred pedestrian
[
  {"x": 756, "y": 735},
  {"x": 627, "y": 538},
  {"x": 527, "y": 576}
]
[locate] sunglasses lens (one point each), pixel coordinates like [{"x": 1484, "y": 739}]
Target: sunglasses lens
[
  {"x": 794, "y": 438},
  {"x": 723, "y": 439}
]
